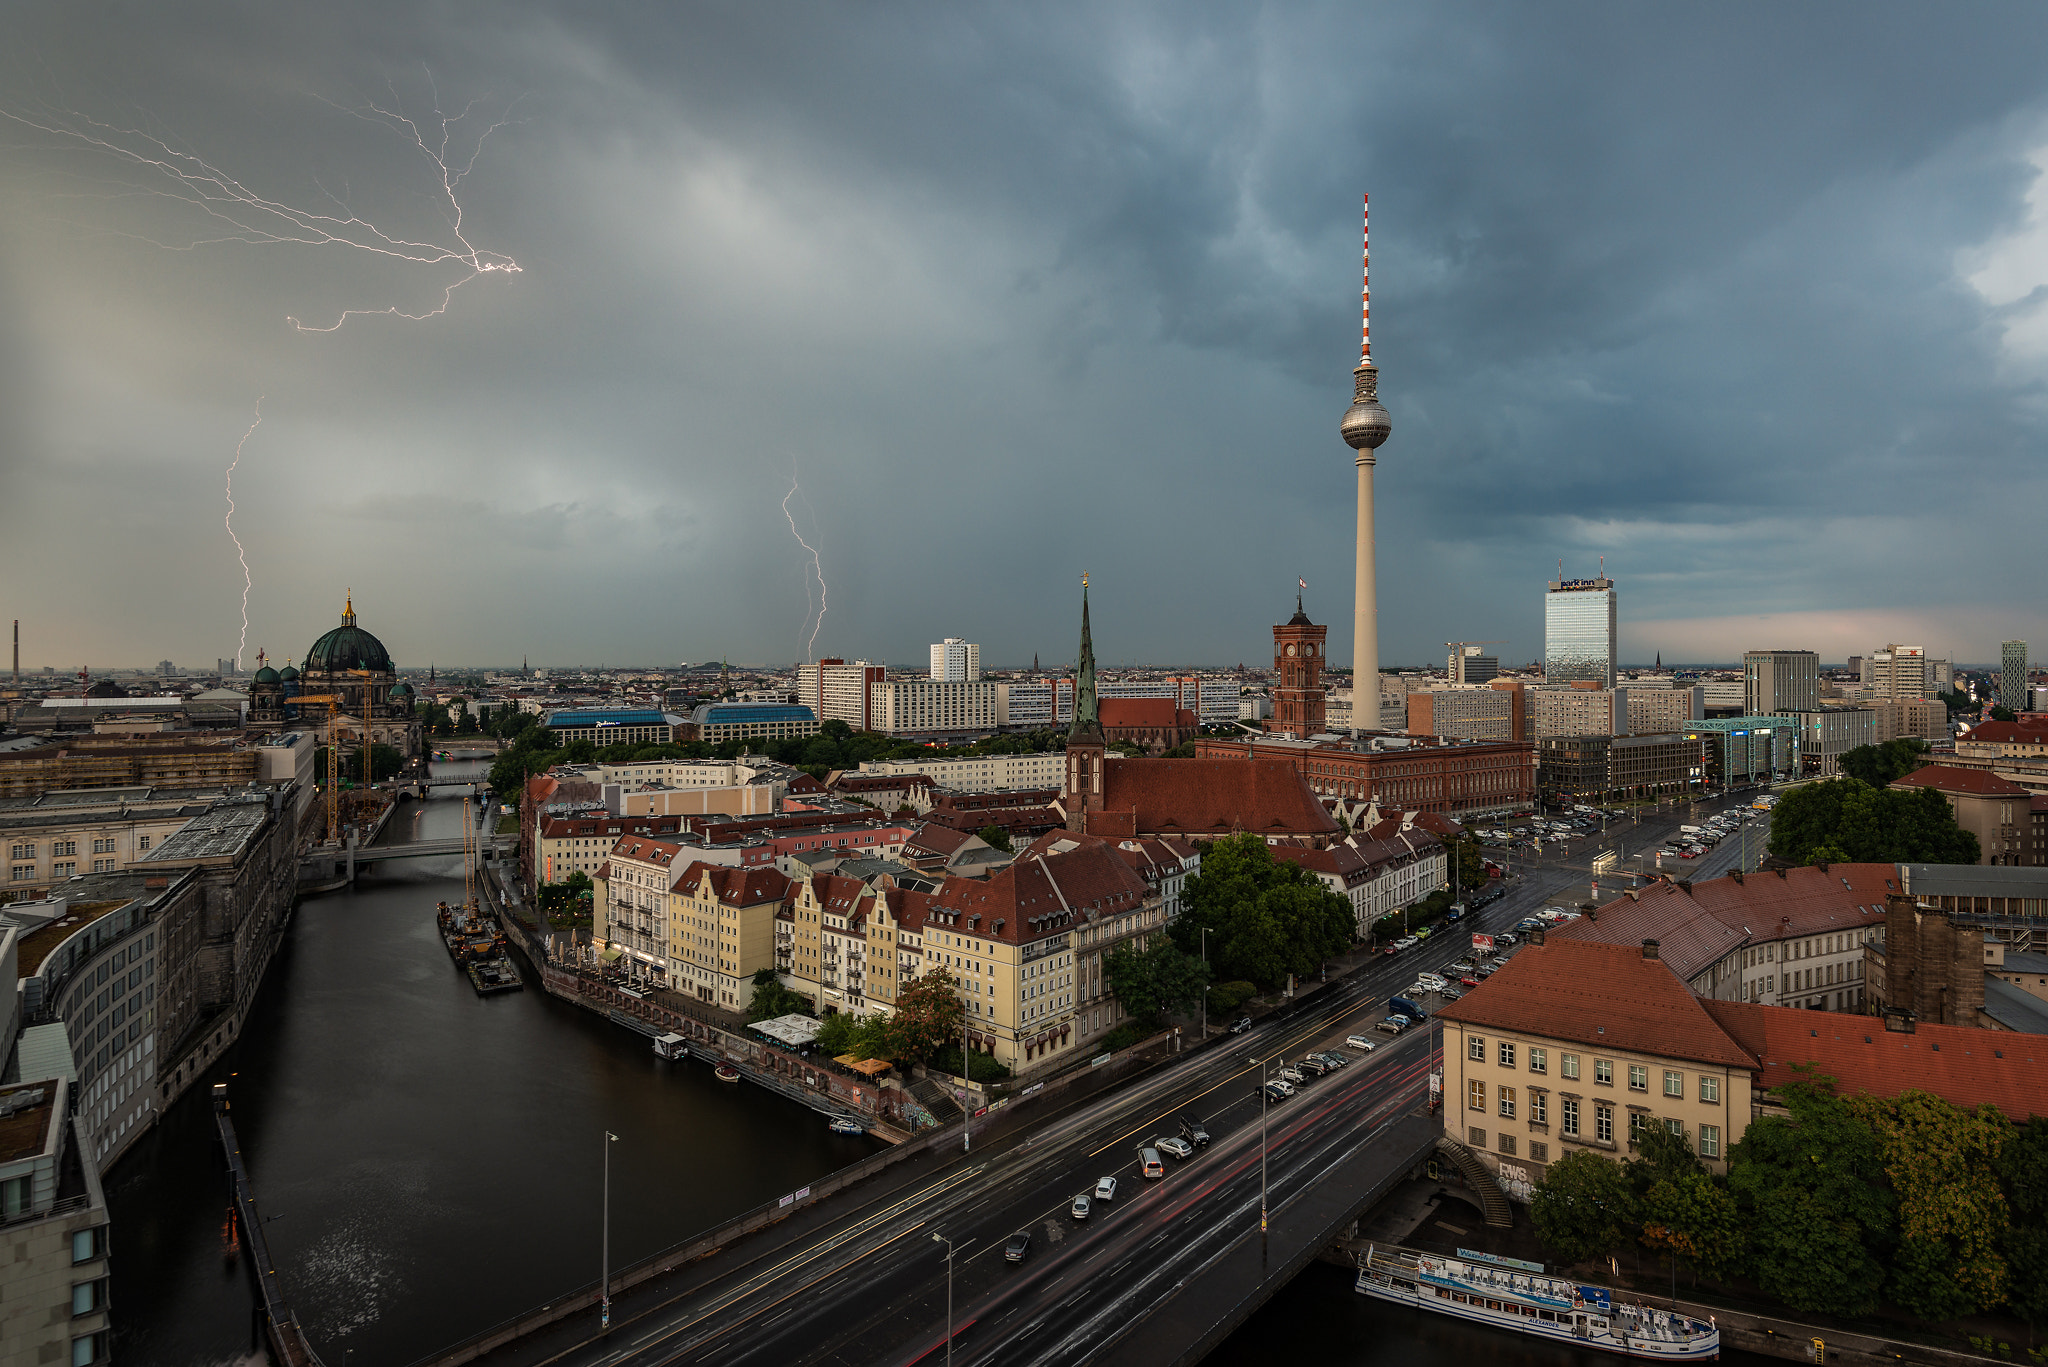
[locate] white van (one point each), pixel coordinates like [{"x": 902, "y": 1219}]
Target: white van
[{"x": 1149, "y": 1163}]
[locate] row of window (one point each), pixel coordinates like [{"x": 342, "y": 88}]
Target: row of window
[
  {"x": 1505, "y": 1052},
  {"x": 1603, "y": 1131}
]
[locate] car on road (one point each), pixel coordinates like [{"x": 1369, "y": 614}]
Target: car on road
[
  {"x": 1391, "y": 949},
  {"x": 1191, "y": 1130},
  {"x": 1018, "y": 1248},
  {"x": 1359, "y": 1042},
  {"x": 1407, "y": 942},
  {"x": 1105, "y": 1188},
  {"x": 1240, "y": 1025},
  {"x": 1422, "y": 933},
  {"x": 1081, "y": 1207},
  {"x": 1174, "y": 1148}
]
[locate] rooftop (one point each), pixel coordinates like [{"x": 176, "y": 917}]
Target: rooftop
[
  {"x": 37, "y": 944},
  {"x": 223, "y": 831},
  {"x": 25, "y": 1120},
  {"x": 610, "y": 716},
  {"x": 1969, "y": 782}
]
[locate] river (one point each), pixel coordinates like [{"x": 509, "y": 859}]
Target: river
[{"x": 432, "y": 1161}]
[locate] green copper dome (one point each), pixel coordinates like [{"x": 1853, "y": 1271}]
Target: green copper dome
[
  {"x": 348, "y": 646},
  {"x": 288, "y": 675},
  {"x": 266, "y": 675}
]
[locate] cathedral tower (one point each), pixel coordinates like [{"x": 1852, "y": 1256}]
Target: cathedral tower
[{"x": 1086, "y": 743}]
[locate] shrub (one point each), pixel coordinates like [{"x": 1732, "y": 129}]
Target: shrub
[
  {"x": 1124, "y": 1036},
  {"x": 1225, "y": 998}
]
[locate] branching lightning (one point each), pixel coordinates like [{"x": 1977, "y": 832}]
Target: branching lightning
[
  {"x": 240, "y": 554},
  {"x": 154, "y": 166},
  {"x": 817, "y": 567}
]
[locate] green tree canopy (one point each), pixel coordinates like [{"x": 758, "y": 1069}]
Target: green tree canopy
[
  {"x": 1999, "y": 713},
  {"x": 1266, "y": 918},
  {"x": 1157, "y": 980},
  {"x": 1847, "y": 819},
  {"x": 1878, "y": 765},
  {"x": 995, "y": 837},
  {"x": 1583, "y": 1206},
  {"x": 1470, "y": 866},
  {"x": 772, "y": 999},
  {"x": 1942, "y": 1163}
]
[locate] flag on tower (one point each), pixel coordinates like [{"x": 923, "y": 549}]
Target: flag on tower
[{"x": 1302, "y": 582}]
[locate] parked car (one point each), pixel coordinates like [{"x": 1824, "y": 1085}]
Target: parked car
[
  {"x": 1333, "y": 1058},
  {"x": 1507, "y": 937},
  {"x": 1286, "y": 1087},
  {"x": 1393, "y": 1025},
  {"x": 1422, "y": 933},
  {"x": 1105, "y": 1188},
  {"x": 1407, "y": 942},
  {"x": 1081, "y": 1207},
  {"x": 1464, "y": 965},
  {"x": 1018, "y": 1248},
  {"x": 1315, "y": 1065},
  {"x": 1240, "y": 1025},
  {"x": 1274, "y": 1094},
  {"x": 1452, "y": 994},
  {"x": 1191, "y": 1129},
  {"x": 1174, "y": 1148},
  {"x": 1358, "y": 1042},
  {"x": 1469, "y": 980},
  {"x": 1290, "y": 1073}
]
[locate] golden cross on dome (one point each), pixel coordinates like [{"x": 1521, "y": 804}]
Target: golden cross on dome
[{"x": 1084, "y": 579}]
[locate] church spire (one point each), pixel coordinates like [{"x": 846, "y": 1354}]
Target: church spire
[
  {"x": 1087, "y": 715},
  {"x": 348, "y": 609}
]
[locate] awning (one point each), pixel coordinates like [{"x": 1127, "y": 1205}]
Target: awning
[
  {"x": 869, "y": 1067},
  {"x": 609, "y": 955}
]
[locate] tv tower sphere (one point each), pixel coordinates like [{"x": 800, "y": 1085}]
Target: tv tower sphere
[{"x": 1366, "y": 424}]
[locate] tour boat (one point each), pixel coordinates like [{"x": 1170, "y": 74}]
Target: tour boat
[
  {"x": 725, "y": 1072},
  {"x": 1525, "y": 1302},
  {"x": 846, "y": 1124}
]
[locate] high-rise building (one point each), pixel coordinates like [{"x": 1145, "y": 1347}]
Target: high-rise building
[
  {"x": 1780, "y": 681},
  {"x": 1468, "y": 666},
  {"x": 1365, "y": 427},
  {"x": 956, "y": 661},
  {"x": 836, "y": 690},
  {"x": 1298, "y": 660},
  {"x": 1897, "y": 672},
  {"x": 2012, "y": 675},
  {"x": 1579, "y": 631}
]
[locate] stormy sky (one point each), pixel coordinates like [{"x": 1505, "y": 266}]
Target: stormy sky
[{"x": 1747, "y": 299}]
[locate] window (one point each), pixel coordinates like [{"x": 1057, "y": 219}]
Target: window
[
  {"x": 1603, "y": 1071},
  {"x": 1539, "y": 1107},
  {"x": 102, "y": 866},
  {"x": 15, "y": 1195},
  {"x": 1507, "y": 1102},
  {"x": 88, "y": 1244},
  {"x": 1568, "y": 1066},
  {"x": 1710, "y": 1141},
  {"x": 22, "y": 873},
  {"x": 1638, "y": 1078},
  {"x": 102, "y": 847},
  {"x": 1636, "y": 1121},
  {"x": 22, "y": 852},
  {"x": 1674, "y": 1083},
  {"x": 1539, "y": 1152},
  {"x": 1603, "y": 1124},
  {"x": 1568, "y": 1115},
  {"x": 86, "y": 1350},
  {"x": 1539, "y": 1060},
  {"x": 1507, "y": 1143},
  {"x": 1676, "y": 1128},
  {"x": 142, "y": 842},
  {"x": 88, "y": 1297},
  {"x": 1475, "y": 1048},
  {"x": 1476, "y": 1096},
  {"x": 63, "y": 847},
  {"x": 1507, "y": 1054},
  {"x": 63, "y": 870},
  {"x": 1710, "y": 1089}
]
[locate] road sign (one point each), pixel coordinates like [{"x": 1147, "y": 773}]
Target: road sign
[{"x": 1483, "y": 942}]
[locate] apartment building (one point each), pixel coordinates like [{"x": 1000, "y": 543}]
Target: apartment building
[
  {"x": 632, "y": 890},
  {"x": 956, "y": 661},
  {"x": 1467, "y": 712},
  {"x": 1660, "y": 711},
  {"x": 1780, "y": 681},
  {"x": 913, "y": 706},
  {"x": 837, "y": 691},
  {"x": 721, "y": 930},
  {"x": 54, "y": 837},
  {"x": 1378, "y": 877},
  {"x": 980, "y": 774},
  {"x": 1578, "y": 712},
  {"x": 1912, "y": 718},
  {"x": 581, "y": 844}
]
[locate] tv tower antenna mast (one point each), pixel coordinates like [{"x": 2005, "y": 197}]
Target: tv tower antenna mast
[{"x": 1365, "y": 426}]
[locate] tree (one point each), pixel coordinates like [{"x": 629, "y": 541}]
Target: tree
[
  {"x": 772, "y": 999},
  {"x": 929, "y": 1014},
  {"x": 1583, "y": 1206},
  {"x": 2023, "y": 1174},
  {"x": 995, "y": 837},
  {"x": 1847, "y": 819},
  {"x": 1470, "y": 864},
  {"x": 1957, "y": 702},
  {"x": 1692, "y": 1218},
  {"x": 1942, "y": 1163},
  {"x": 1878, "y": 765},
  {"x": 1266, "y": 918},
  {"x": 1999, "y": 713},
  {"x": 1811, "y": 1186},
  {"x": 1157, "y": 980}
]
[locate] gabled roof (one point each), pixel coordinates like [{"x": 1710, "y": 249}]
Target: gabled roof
[
  {"x": 1961, "y": 1065},
  {"x": 2010, "y": 732},
  {"x": 1154, "y": 712},
  {"x": 1968, "y": 782},
  {"x": 1041, "y": 894},
  {"x": 738, "y": 887},
  {"x": 1699, "y": 924},
  {"x": 1601, "y": 996},
  {"x": 1210, "y": 797}
]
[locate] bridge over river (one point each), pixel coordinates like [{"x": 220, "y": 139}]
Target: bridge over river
[{"x": 1160, "y": 1274}]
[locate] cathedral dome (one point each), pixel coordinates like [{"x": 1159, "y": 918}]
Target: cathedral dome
[
  {"x": 348, "y": 646},
  {"x": 401, "y": 691},
  {"x": 266, "y": 675},
  {"x": 288, "y": 675}
]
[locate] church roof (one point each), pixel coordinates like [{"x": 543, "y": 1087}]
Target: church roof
[
  {"x": 1210, "y": 796},
  {"x": 348, "y": 646},
  {"x": 1161, "y": 712}
]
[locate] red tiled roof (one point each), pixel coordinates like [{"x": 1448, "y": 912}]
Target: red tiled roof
[
  {"x": 1963, "y": 1066},
  {"x": 1598, "y": 995},
  {"x": 1213, "y": 796},
  {"x": 740, "y": 887},
  {"x": 1699, "y": 925},
  {"x": 1973, "y": 782},
  {"x": 2010, "y": 732},
  {"x": 1041, "y": 892},
  {"x": 1155, "y": 712}
]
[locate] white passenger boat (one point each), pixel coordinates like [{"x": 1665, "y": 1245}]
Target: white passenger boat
[{"x": 1529, "y": 1303}]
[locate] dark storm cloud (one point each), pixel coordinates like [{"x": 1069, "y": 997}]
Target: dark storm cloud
[{"x": 1023, "y": 292}]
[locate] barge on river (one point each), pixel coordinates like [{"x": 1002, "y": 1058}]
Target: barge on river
[
  {"x": 477, "y": 945},
  {"x": 1543, "y": 1307}
]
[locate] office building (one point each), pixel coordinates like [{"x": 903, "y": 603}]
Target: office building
[
  {"x": 1654, "y": 711},
  {"x": 2012, "y": 675},
  {"x": 1746, "y": 750},
  {"x": 1898, "y": 671},
  {"x": 749, "y": 723},
  {"x": 1579, "y": 632},
  {"x": 837, "y": 691},
  {"x": 956, "y": 661},
  {"x": 1917, "y": 718},
  {"x": 1780, "y": 681},
  {"x": 1825, "y": 736},
  {"x": 1469, "y": 713},
  {"x": 912, "y": 706},
  {"x": 603, "y": 726},
  {"x": 1467, "y": 666},
  {"x": 1601, "y": 767},
  {"x": 1578, "y": 712}
]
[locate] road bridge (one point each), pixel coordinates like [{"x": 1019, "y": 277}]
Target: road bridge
[{"x": 1162, "y": 1272}]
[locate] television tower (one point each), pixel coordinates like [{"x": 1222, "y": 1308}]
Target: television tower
[{"x": 1365, "y": 426}]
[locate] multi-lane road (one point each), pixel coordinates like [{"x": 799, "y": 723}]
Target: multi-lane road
[{"x": 866, "y": 1280}]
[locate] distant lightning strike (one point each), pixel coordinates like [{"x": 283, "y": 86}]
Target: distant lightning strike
[
  {"x": 817, "y": 568},
  {"x": 248, "y": 217},
  {"x": 240, "y": 554}
]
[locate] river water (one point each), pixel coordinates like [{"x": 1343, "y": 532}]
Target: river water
[{"x": 432, "y": 1161}]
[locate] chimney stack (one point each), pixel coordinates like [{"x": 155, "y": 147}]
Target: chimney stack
[
  {"x": 1649, "y": 949},
  {"x": 1536, "y": 937}
]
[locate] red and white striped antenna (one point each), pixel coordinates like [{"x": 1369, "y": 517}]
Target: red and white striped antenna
[{"x": 1365, "y": 282}]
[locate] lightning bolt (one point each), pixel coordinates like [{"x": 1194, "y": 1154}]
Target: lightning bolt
[
  {"x": 817, "y": 568},
  {"x": 153, "y": 166},
  {"x": 229, "y": 521}
]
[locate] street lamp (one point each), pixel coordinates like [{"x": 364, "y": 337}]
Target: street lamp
[
  {"x": 604, "y": 1324},
  {"x": 939, "y": 1238},
  {"x": 1265, "y": 1100},
  {"x": 1205, "y": 990}
]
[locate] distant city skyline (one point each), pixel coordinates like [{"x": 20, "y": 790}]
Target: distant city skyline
[{"x": 1012, "y": 295}]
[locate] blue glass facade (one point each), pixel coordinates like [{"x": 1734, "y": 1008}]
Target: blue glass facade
[{"x": 1578, "y": 631}]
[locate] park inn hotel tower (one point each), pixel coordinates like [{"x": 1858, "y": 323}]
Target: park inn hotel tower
[{"x": 1578, "y": 632}]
